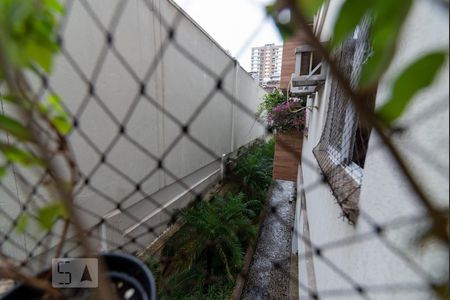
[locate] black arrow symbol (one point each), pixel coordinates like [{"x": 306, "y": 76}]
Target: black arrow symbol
[{"x": 86, "y": 276}]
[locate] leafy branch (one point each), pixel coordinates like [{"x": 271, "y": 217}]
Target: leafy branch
[{"x": 37, "y": 130}]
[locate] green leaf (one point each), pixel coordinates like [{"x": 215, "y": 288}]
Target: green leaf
[
  {"x": 22, "y": 223},
  {"x": 286, "y": 30},
  {"x": 48, "y": 215},
  {"x": 3, "y": 171},
  {"x": 55, "y": 104},
  {"x": 29, "y": 29},
  {"x": 309, "y": 7},
  {"x": 18, "y": 12},
  {"x": 350, "y": 15},
  {"x": 58, "y": 116},
  {"x": 55, "y": 5},
  {"x": 14, "y": 128},
  {"x": 9, "y": 98},
  {"x": 17, "y": 155},
  {"x": 387, "y": 22},
  {"x": 62, "y": 124},
  {"x": 42, "y": 56},
  {"x": 414, "y": 78},
  {"x": 43, "y": 108}
]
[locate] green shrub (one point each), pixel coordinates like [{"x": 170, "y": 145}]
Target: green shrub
[
  {"x": 218, "y": 291},
  {"x": 253, "y": 171},
  {"x": 154, "y": 266},
  {"x": 270, "y": 100},
  {"x": 182, "y": 284},
  {"x": 212, "y": 242}
]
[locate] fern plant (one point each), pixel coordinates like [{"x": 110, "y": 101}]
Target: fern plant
[
  {"x": 254, "y": 170},
  {"x": 212, "y": 234},
  {"x": 215, "y": 235}
]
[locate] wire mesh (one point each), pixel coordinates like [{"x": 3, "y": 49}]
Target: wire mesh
[{"x": 342, "y": 149}]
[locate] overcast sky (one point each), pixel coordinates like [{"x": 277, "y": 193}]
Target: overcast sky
[{"x": 232, "y": 23}]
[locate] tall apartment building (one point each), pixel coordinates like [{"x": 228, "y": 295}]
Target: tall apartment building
[{"x": 266, "y": 65}]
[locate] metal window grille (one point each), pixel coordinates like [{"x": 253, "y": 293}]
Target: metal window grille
[{"x": 342, "y": 148}]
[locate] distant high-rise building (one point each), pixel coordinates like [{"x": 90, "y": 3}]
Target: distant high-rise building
[{"x": 266, "y": 65}]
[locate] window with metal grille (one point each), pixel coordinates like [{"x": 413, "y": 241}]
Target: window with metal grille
[{"x": 342, "y": 149}]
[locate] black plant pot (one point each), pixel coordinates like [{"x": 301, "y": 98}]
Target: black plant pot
[
  {"x": 126, "y": 266},
  {"x": 130, "y": 277}
]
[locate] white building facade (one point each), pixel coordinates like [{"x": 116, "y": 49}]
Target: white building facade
[{"x": 376, "y": 256}]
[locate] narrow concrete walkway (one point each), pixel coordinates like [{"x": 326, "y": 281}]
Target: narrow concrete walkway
[{"x": 268, "y": 276}]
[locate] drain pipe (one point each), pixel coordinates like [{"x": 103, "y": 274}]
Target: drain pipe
[
  {"x": 222, "y": 167},
  {"x": 235, "y": 90}
]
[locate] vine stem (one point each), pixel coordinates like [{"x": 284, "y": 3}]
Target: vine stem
[
  {"x": 8, "y": 270},
  {"x": 63, "y": 236}
]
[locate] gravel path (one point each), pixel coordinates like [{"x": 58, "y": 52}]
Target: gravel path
[{"x": 268, "y": 276}]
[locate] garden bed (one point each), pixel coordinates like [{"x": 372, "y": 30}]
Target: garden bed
[{"x": 203, "y": 253}]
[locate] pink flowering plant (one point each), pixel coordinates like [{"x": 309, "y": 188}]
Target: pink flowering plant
[
  {"x": 281, "y": 114},
  {"x": 284, "y": 117}
]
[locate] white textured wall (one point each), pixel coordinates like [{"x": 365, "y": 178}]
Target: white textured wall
[
  {"x": 385, "y": 195},
  {"x": 177, "y": 84}
]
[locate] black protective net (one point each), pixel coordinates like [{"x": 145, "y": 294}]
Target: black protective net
[
  {"x": 342, "y": 149},
  {"x": 104, "y": 204}
]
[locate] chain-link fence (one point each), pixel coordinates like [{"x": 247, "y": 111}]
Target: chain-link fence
[{"x": 155, "y": 104}]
